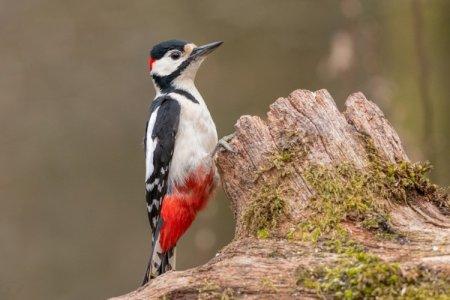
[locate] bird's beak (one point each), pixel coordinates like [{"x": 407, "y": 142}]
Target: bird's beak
[{"x": 204, "y": 50}]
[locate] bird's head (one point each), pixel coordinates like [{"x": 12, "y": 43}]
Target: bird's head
[{"x": 173, "y": 62}]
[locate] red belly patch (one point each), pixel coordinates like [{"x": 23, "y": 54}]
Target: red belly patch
[{"x": 180, "y": 208}]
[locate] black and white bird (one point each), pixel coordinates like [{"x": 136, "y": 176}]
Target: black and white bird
[{"x": 180, "y": 140}]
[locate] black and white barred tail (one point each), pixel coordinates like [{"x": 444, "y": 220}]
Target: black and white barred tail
[{"x": 159, "y": 261}]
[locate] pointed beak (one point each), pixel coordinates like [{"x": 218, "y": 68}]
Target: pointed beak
[{"x": 205, "y": 49}]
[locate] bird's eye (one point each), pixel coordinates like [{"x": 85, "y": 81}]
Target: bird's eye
[{"x": 175, "y": 55}]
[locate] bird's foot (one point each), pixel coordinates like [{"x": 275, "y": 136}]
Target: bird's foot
[{"x": 223, "y": 143}]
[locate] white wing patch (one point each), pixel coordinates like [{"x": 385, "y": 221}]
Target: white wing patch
[{"x": 151, "y": 145}]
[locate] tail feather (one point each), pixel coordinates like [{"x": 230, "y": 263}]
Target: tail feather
[{"x": 160, "y": 261}]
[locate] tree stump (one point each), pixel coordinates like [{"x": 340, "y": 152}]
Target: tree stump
[{"x": 327, "y": 205}]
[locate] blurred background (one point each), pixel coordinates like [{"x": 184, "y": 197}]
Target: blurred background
[{"x": 74, "y": 94}]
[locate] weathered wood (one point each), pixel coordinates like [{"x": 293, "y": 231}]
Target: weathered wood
[{"x": 309, "y": 124}]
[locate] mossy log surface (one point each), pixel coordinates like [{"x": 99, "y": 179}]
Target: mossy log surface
[{"x": 327, "y": 205}]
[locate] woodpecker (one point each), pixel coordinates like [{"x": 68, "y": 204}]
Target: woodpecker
[{"x": 180, "y": 142}]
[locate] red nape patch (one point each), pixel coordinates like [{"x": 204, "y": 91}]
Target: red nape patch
[
  {"x": 150, "y": 62},
  {"x": 180, "y": 208}
]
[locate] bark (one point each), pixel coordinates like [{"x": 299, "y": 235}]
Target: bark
[{"x": 309, "y": 125}]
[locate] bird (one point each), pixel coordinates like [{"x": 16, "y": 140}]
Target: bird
[{"x": 180, "y": 142}]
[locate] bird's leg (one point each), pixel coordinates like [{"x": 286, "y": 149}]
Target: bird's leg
[{"x": 223, "y": 143}]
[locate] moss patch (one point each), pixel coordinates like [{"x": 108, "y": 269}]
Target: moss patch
[
  {"x": 264, "y": 211},
  {"x": 281, "y": 162},
  {"x": 263, "y": 233},
  {"x": 211, "y": 290},
  {"x": 364, "y": 276},
  {"x": 268, "y": 284},
  {"x": 267, "y": 205},
  {"x": 345, "y": 193},
  {"x": 406, "y": 181}
]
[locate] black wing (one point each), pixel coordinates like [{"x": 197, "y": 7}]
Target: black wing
[{"x": 163, "y": 132}]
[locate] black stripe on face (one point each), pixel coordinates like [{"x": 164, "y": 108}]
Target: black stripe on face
[{"x": 165, "y": 82}]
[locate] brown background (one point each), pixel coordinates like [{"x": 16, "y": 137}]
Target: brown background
[{"x": 74, "y": 95}]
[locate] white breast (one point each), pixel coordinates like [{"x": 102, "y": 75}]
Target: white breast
[{"x": 196, "y": 139}]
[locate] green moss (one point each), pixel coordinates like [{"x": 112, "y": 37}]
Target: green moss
[
  {"x": 345, "y": 193},
  {"x": 264, "y": 211},
  {"x": 211, "y": 290},
  {"x": 359, "y": 275},
  {"x": 405, "y": 181},
  {"x": 283, "y": 157},
  {"x": 263, "y": 233},
  {"x": 291, "y": 234},
  {"x": 342, "y": 193},
  {"x": 267, "y": 205},
  {"x": 281, "y": 162},
  {"x": 364, "y": 197},
  {"x": 268, "y": 284}
]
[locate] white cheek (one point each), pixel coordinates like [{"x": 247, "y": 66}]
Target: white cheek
[{"x": 165, "y": 66}]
